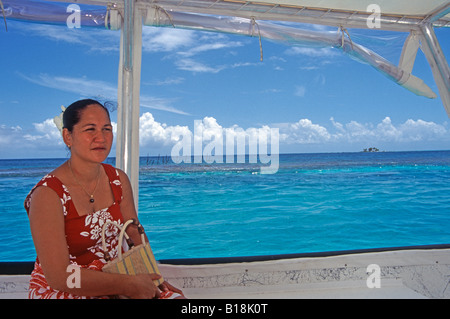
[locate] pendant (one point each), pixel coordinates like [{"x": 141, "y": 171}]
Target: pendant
[{"x": 92, "y": 199}]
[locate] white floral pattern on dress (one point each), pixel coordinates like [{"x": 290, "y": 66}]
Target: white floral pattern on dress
[{"x": 96, "y": 221}]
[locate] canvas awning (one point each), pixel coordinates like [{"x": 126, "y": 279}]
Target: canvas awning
[
  {"x": 414, "y": 16},
  {"x": 400, "y": 15}
]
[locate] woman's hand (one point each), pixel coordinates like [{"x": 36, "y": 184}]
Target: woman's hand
[
  {"x": 165, "y": 286},
  {"x": 142, "y": 286}
]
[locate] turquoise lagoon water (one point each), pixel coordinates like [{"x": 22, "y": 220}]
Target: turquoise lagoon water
[{"x": 315, "y": 202}]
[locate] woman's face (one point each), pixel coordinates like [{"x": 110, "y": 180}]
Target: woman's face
[{"x": 91, "y": 138}]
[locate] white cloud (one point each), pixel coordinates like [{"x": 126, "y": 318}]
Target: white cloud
[
  {"x": 386, "y": 131},
  {"x": 209, "y": 47},
  {"x": 156, "y": 135},
  {"x": 152, "y": 132},
  {"x": 162, "y": 104},
  {"x": 176, "y": 42},
  {"x": 167, "y": 81},
  {"x": 96, "y": 39},
  {"x": 303, "y": 132},
  {"x": 206, "y": 133},
  {"x": 166, "y": 39},
  {"x": 79, "y": 85},
  {"x": 184, "y": 47},
  {"x": 45, "y": 130},
  {"x": 411, "y": 134},
  {"x": 355, "y": 131},
  {"x": 102, "y": 90},
  {"x": 180, "y": 45},
  {"x": 312, "y": 52},
  {"x": 17, "y": 142},
  {"x": 421, "y": 130},
  {"x": 196, "y": 67}
]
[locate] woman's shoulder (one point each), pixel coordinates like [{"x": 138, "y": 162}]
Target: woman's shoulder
[
  {"x": 49, "y": 186},
  {"x": 115, "y": 172},
  {"x": 110, "y": 169},
  {"x": 52, "y": 181}
]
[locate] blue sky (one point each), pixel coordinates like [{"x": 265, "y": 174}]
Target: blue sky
[{"x": 320, "y": 99}]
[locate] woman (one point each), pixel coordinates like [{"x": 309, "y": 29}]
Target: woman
[{"x": 68, "y": 207}]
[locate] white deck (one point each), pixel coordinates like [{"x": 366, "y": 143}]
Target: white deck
[{"x": 406, "y": 274}]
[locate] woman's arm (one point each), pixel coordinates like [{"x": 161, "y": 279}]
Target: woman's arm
[
  {"x": 129, "y": 211},
  {"x": 47, "y": 229}
]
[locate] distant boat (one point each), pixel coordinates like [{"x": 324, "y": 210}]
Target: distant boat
[{"x": 371, "y": 149}]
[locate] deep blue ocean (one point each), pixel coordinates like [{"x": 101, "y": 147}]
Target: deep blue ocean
[{"x": 314, "y": 203}]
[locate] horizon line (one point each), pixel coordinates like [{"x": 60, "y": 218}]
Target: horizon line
[{"x": 288, "y": 153}]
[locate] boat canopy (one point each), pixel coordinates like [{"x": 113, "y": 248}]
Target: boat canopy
[{"x": 281, "y": 21}]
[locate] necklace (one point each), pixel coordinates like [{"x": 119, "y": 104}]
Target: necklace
[{"x": 91, "y": 196}]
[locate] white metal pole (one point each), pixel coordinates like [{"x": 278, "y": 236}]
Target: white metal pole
[{"x": 127, "y": 144}]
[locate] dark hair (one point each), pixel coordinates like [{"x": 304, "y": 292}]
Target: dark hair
[{"x": 72, "y": 114}]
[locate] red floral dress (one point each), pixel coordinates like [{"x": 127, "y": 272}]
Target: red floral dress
[{"x": 83, "y": 233}]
